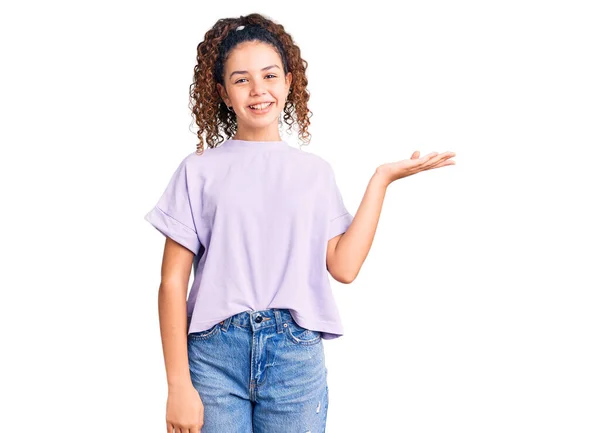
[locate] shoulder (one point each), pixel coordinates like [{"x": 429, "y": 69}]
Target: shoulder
[
  {"x": 312, "y": 159},
  {"x": 209, "y": 152},
  {"x": 194, "y": 160}
]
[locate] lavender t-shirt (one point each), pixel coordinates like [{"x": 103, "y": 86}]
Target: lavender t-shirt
[{"x": 257, "y": 215}]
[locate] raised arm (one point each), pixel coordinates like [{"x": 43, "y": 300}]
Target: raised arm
[{"x": 346, "y": 253}]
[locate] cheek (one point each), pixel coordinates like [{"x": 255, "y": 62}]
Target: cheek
[{"x": 282, "y": 99}]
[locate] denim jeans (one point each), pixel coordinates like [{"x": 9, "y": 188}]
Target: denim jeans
[{"x": 260, "y": 372}]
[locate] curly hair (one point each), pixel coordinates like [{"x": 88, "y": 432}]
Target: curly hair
[{"x": 208, "y": 109}]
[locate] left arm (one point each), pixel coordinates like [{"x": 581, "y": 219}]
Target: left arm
[{"x": 346, "y": 253}]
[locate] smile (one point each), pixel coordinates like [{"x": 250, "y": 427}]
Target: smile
[{"x": 261, "y": 108}]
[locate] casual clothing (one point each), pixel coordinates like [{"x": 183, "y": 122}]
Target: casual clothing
[
  {"x": 258, "y": 216},
  {"x": 259, "y": 371}
]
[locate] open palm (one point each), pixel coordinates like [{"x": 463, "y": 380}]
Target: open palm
[{"x": 397, "y": 170}]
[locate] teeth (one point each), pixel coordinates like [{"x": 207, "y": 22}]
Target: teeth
[{"x": 260, "y": 106}]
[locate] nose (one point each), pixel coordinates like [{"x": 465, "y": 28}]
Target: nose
[{"x": 258, "y": 88}]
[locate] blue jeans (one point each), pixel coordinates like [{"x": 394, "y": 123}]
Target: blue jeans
[{"x": 260, "y": 372}]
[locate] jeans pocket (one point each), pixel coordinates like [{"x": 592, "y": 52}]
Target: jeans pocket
[
  {"x": 303, "y": 336},
  {"x": 206, "y": 334}
]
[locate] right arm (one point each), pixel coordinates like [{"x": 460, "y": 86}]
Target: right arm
[
  {"x": 184, "y": 406},
  {"x": 175, "y": 276}
]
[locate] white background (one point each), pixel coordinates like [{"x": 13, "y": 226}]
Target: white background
[{"x": 477, "y": 307}]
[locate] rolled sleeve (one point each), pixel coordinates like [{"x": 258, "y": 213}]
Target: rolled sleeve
[
  {"x": 340, "y": 225},
  {"x": 339, "y": 217},
  {"x": 173, "y": 215},
  {"x": 173, "y": 229}
]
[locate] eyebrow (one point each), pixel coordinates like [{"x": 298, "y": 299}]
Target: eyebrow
[{"x": 245, "y": 72}]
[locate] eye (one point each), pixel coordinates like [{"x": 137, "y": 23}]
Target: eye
[{"x": 268, "y": 75}]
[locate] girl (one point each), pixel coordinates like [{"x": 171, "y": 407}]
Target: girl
[{"x": 262, "y": 224}]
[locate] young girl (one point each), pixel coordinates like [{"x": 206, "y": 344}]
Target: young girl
[{"x": 262, "y": 224}]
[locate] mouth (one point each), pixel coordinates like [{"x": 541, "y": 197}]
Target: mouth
[{"x": 261, "y": 108}]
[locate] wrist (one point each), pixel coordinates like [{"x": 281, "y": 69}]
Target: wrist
[
  {"x": 380, "y": 178},
  {"x": 179, "y": 382}
]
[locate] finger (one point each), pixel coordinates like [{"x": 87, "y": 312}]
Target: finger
[
  {"x": 422, "y": 162},
  {"x": 430, "y": 164},
  {"x": 442, "y": 155},
  {"x": 447, "y": 155},
  {"x": 429, "y": 156},
  {"x": 415, "y": 155},
  {"x": 169, "y": 427},
  {"x": 435, "y": 161},
  {"x": 442, "y": 164}
]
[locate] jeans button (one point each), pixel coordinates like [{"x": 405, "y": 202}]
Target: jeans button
[{"x": 258, "y": 319}]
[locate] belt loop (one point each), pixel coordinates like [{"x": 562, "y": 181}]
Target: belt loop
[
  {"x": 279, "y": 321},
  {"x": 225, "y": 323}
]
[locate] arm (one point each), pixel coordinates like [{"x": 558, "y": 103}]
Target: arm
[
  {"x": 346, "y": 253},
  {"x": 175, "y": 274}
]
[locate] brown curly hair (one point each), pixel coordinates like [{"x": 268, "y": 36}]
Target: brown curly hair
[{"x": 208, "y": 109}]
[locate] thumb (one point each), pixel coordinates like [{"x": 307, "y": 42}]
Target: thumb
[{"x": 415, "y": 155}]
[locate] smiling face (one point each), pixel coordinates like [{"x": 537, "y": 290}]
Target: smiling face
[{"x": 254, "y": 75}]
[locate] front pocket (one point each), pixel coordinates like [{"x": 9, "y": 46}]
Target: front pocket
[
  {"x": 203, "y": 335},
  {"x": 299, "y": 335}
]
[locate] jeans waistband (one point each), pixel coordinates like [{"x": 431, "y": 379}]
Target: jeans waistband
[{"x": 260, "y": 319}]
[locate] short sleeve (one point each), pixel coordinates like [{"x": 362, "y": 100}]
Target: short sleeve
[
  {"x": 173, "y": 215},
  {"x": 339, "y": 217}
]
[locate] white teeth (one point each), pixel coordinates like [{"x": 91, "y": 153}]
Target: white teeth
[{"x": 261, "y": 106}]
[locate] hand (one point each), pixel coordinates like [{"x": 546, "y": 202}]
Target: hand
[
  {"x": 185, "y": 411},
  {"x": 397, "y": 170}
]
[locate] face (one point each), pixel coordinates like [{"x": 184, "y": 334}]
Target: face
[{"x": 253, "y": 75}]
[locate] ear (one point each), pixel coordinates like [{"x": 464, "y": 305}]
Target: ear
[
  {"x": 288, "y": 80},
  {"x": 223, "y": 94}
]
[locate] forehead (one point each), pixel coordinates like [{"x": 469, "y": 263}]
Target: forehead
[{"x": 252, "y": 56}]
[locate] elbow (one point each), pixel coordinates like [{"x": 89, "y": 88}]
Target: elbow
[
  {"x": 346, "y": 279},
  {"x": 350, "y": 273},
  {"x": 342, "y": 278},
  {"x": 346, "y": 274},
  {"x": 342, "y": 272}
]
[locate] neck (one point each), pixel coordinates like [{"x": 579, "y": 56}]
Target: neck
[
  {"x": 257, "y": 135},
  {"x": 255, "y": 138}
]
